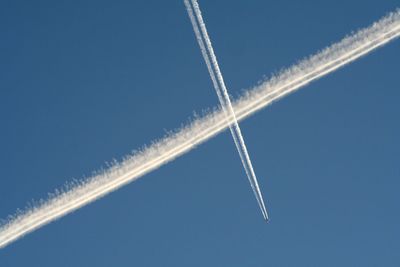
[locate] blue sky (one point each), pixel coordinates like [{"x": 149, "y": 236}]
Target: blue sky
[{"x": 84, "y": 82}]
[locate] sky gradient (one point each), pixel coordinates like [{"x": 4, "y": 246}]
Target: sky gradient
[{"x": 85, "y": 82}]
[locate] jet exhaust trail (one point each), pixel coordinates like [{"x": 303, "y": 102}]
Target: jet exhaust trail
[
  {"x": 200, "y": 130},
  {"x": 220, "y": 88}
]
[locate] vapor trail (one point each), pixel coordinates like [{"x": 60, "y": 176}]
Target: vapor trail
[
  {"x": 220, "y": 88},
  {"x": 167, "y": 149}
]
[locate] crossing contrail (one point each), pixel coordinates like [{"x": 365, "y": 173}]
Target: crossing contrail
[
  {"x": 220, "y": 88},
  {"x": 200, "y": 130}
]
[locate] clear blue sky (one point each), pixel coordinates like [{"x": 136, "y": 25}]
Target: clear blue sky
[{"x": 82, "y": 82}]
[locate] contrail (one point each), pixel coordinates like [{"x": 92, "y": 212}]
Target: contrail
[
  {"x": 170, "y": 147},
  {"x": 224, "y": 99}
]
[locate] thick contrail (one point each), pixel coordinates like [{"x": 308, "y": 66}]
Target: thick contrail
[
  {"x": 167, "y": 149},
  {"x": 220, "y": 88}
]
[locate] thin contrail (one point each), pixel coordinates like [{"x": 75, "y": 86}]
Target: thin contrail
[
  {"x": 220, "y": 88},
  {"x": 167, "y": 149}
]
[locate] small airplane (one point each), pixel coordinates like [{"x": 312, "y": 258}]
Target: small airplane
[{"x": 207, "y": 51}]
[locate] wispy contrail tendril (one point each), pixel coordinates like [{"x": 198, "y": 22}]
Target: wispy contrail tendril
[
  {"x": 167, "y": 149},
  {"x": 220, "y": 88}
]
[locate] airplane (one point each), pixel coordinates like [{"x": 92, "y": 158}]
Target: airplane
[{"x": 207, "y": 51}]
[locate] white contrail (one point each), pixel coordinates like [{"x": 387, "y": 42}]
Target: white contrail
[
  {"x": 167, "y": 149},
  {"x": 219, "y": 85}
]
